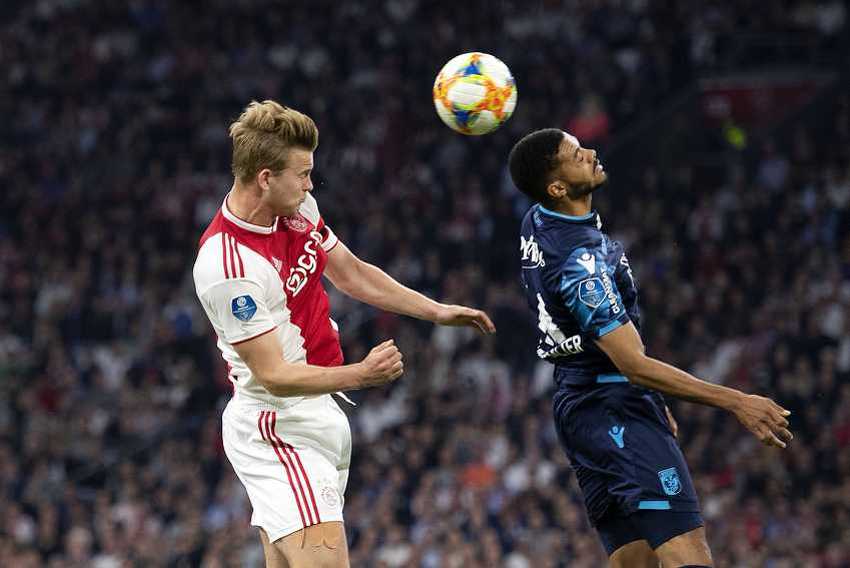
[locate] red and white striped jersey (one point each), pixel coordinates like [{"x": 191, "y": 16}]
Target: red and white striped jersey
[{"x": 252, "y": 280}]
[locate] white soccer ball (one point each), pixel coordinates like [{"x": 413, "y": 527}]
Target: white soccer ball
[{"x": 474, "y": 93}]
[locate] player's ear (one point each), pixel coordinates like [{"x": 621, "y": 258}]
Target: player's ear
[
  {"x": 263, "y": 178},
  {"x": 556, "y": 190}
]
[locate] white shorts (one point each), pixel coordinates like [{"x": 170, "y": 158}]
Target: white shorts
[{"x": 293, "y": 460}]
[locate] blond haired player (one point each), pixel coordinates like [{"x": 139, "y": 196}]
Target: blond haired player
[{"x": 258, "y": 276}]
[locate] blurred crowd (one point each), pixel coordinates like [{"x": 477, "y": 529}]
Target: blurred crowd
[{"x": 114, "y": 155}]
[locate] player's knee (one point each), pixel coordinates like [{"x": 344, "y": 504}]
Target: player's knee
[{"x": 318, "y": 546}]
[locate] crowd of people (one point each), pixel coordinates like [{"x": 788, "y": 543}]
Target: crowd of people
[{"x": 115, "y": 155}]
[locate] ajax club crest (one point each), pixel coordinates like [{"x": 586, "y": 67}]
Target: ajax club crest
[
  {"x": 670, "y": 481},
  {"x": 296, "y": 223}
]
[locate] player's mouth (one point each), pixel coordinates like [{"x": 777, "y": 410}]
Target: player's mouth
[{"x": 597, "y": 167}]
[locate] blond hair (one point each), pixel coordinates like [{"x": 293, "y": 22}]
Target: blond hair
[{"x": 262, "y": 135}]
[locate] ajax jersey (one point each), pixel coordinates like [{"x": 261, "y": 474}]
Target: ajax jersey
[{"x": 252, "y": 280}]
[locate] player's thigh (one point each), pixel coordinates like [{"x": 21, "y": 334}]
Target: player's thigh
[
  {"x": 690, "y": 548},
  {"x": 318, "y": 546},
  {"x": 636, "y": 554},
  {"x": 625, "y": 544},
  {"x": 274, "y": 558}
]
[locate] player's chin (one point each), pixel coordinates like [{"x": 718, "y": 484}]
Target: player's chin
[
  {"x": 600, "y": 178},
  {"x": 290, "y": 211}
]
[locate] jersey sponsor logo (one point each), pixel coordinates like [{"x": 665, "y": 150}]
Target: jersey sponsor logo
[
  {"x": 588, "y": 261},
  {"x": 609, "y": 293},
  {"x": 243, "y": 307},
  {"x": 670, "y": 481},
  {"x": 625, "y": 263},
  {"x": 547, "y": 349},
  {"x": 571, "y": 345},
  {"x": 305, "y": 266},
  {"x": 296, "y": 223},
  {"x": 531, "y": 252},
  {"x": 554, "y": 342}
]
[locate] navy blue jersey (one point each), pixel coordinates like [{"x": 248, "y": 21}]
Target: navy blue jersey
[{"x": 579, "y": 283}]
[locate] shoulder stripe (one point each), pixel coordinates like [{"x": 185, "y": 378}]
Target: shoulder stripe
[
  {"x": 232, "y": 259},
  {"x": 224, "y": 254},
  {"x": 238, "y": 258}
]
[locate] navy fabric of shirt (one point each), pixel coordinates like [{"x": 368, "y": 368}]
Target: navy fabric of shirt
[{"x": 579, "y": 284}]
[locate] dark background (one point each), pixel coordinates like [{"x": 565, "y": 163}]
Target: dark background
[{"x": 725, "y": 127}]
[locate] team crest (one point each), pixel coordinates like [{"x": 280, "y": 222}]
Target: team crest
[
  {"x": 670, "y": 481},
  {"x": 330, "y": 496},
  {"x": 296, "y": 223},
  {"x": 591, "y": 293},
  {"x": 243, "y": 307}
]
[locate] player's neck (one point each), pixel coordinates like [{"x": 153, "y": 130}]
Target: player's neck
[
  {"x": 246, "y": 204},
  {"x": 573, "y": 207}
]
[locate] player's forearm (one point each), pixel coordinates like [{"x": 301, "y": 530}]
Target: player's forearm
[
  {"x": 307, "y": 380},
  {"x": 657, "y": 375},
  {"x": 373, "y": 286}
]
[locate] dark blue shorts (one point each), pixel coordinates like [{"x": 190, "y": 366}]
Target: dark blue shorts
[
  {"x": 623, "y": 452},
  {"x": 655, "y": 527}
]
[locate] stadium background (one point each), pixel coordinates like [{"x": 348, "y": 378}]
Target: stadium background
[{"x": 732, "y": 195}]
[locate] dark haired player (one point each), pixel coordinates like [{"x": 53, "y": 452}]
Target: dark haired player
[{"x": 608, "y": 408}]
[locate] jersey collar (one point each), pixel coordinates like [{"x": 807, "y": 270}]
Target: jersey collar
[
  {"x": 260, "y": 229},
  {"x": 591, "y": 218}
]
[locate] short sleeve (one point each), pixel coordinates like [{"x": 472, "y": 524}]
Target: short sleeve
[
  {"x": 590, "y": 294},
  {"x": 310, "y": 210},
  {"x": 238, "y": 307}
]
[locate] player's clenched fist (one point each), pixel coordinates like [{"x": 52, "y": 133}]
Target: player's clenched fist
[
  {"x": 382, "y": 365},
  {"x": 764, "y": 418}
]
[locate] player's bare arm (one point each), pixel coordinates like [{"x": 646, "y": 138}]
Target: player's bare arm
[
  {"x": 761, "y": 416},
  {"x": 371, "y": 285},
  {"x": 264, "y": 357}
]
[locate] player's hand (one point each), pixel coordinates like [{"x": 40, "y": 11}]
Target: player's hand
[
  {"x": 462, "y": 316},
  {"x": 382, "y": 365},
  {"x": 764, "y": 418},
  {"x": 674, "y": 426}
]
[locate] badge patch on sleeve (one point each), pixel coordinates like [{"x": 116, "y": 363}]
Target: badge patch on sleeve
[
  {"x": 591, "y": 292},
  {"x": 243, "y": 307},
  {"x": 670, "y": 481}
]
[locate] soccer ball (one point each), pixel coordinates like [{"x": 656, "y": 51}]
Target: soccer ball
[{"x": 474, "y": 93}]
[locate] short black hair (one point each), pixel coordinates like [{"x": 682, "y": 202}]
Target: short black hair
[{"x": 531, "y": 161}]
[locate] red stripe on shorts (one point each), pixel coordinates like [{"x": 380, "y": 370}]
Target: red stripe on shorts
[
  {"x": 269, "y": 436},
  {"x": 304, "y": 473},
  {"x": 289, "y": 451}
]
